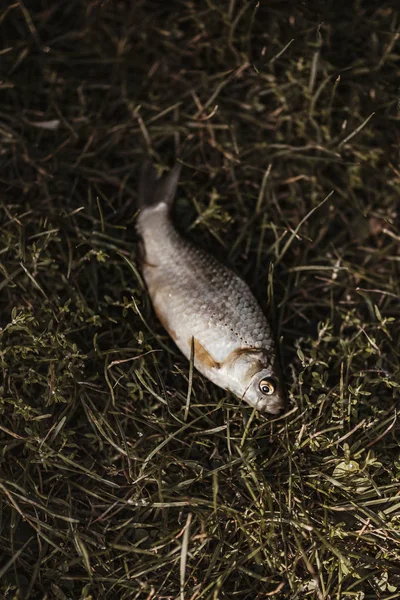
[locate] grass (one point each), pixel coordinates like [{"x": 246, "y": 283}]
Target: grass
[{"x": 124, "y": 475}]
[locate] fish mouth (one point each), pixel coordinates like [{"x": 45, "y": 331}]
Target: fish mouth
[{"x": 273, "y": 407}]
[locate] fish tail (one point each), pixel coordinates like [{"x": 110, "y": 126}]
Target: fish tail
[{"x": 154, "y": 190}]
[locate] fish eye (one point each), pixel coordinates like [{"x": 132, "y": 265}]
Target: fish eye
[{"x": 267, "y": 386}]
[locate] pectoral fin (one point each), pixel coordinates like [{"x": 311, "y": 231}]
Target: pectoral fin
[{"x": 201, "y": 355}]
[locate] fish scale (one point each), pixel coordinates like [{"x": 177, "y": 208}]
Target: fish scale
[{"x": 197, "y": 298}]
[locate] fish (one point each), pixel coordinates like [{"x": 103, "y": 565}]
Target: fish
[{"x": 208, "y": 310}]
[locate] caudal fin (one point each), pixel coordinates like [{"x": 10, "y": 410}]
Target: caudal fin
[{"x": 154, "y": 190}]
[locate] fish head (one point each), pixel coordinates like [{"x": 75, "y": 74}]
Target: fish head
[
  {"x": 265, "y": 392},
  {"x": 255, "y": 380}
]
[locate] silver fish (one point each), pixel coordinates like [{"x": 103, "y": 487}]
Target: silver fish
[{"x": 204, "y": 305}]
